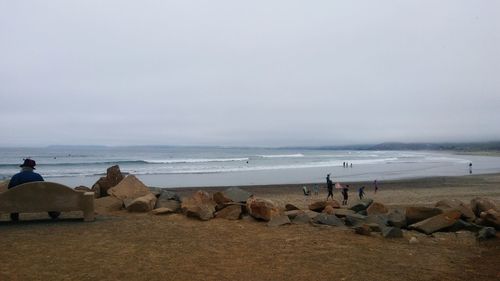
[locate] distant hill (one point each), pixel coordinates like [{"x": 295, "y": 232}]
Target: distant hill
[
  {"x": 476, "y": 146},
  {"x": 466, "y": 146}
]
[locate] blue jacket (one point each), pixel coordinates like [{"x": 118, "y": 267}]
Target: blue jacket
[{"x": 24, "y": 177}]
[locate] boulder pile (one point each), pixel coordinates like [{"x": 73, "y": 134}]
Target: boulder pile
[{"x": 364, "y": 217}]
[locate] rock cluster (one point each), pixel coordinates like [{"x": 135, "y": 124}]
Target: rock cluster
[{"x": 364, "y": 217}]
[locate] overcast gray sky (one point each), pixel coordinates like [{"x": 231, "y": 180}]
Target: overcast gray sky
[{"x": 248, "y": 72}]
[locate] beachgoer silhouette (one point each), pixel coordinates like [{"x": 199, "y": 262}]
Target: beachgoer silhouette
[
  {"x": 329, "y": 186},
  {"x": 470, "y": 168},
  {"x": 361, "y": 192},
  {"x": 343, "y": 164},
  {"x": 376, "y": 186},
  {"x": 351, "y": 165},
  {"x": 27, "y": 175},
  {"x": 345, "y": 194}
]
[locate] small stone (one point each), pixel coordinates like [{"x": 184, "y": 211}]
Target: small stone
[
  {"x": 486, "y": 233},
  {"x": 413, "y": 240},
  {"x": 291, "y": 207}
]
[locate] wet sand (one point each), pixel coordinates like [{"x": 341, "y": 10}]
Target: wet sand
[{"x": 124, "y": 246}]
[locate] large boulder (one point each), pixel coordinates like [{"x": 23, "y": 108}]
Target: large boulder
[
  {"x": 278, "y": 221},
  {"x": 355, "y": 220},
  {"x": 376, "y": 208},
  {"x": 329, "y": 210},
  {"x": 448, "y": 204},
  {"x": 361, "y": 205},
  {"x": 438, "y": 222},
  {"x": 112, "y": 178},
  {"x": 236, "y": 194},
  {"x": 168, "y": 199},
  {"x": 220, "y": 198},
  {"x": 262, "y": 209},
  {"x": 200, "y": 205},
  {"x": 232, "y": 212},
  {"x": 293, "y": 213},
  {"x": 396, "y": 218},
  {"x": 129, "y": 189},
  {"x": 326, "y": 219},
  {"x": 301, "y": 218},
  {"x": 479, "y": 205},
  {"x": 343, "y": 212},
  {"x": 144, "y": 203},
  {"x": 491, "y": 218},
  {"x": 318, "y": 206},
  {"x": 107, "y": 204},
  {"x": 415, "y": 214}
]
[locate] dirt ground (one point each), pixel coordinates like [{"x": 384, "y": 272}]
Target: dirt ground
[{"x": 124, "y": 246}]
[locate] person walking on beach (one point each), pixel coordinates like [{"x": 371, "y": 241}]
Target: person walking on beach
[
  {"x": 470, "y": 168},
  {"x": 27, "y": 175},
  {"x": 361, "y": 192},
  {"x": 376, "y": 186},
  {"x": 345, "y": 194},
  {"x": 329, "y": 186}
]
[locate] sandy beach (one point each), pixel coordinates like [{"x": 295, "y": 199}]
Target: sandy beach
[{"x": 126, "y": 246}]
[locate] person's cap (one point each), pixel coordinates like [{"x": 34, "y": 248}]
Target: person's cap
[{"x": 28, "y": 163}]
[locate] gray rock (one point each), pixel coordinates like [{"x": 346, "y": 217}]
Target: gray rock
[
  {"x": 278, "y": 221},
  {"x": 396, "y": 218},
  {"x": 326, "y": 219},
  {"x": 355, "y": 220},
  {"x": 463, "y": 225},
  {"x": 168, "y": 195},
  {"x": 378, "y": 219},
  {"x": 237, "y": 194},
  {"x": 361, "y": 205},
  {"x": 486, "y": 233},
  {"x": 301, "y": 219},
  {"x": 392, "y": 232},
  {"x": 292, "y": 214},
  {"x": 375, "y": 227},
  {"x": 174, "y": 205}
]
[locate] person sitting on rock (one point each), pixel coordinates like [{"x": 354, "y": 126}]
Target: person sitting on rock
[{"x": 27, "y": 175}]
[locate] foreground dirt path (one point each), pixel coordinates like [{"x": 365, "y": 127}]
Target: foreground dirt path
[{"x": 145, "y": 247}]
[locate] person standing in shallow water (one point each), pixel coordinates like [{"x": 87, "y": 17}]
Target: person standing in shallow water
[
  {"x": 27, "y": 175},
  {"x": 329, "y": 186}
]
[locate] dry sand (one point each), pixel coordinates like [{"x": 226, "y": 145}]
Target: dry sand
[{"x": 123, "y": 246}]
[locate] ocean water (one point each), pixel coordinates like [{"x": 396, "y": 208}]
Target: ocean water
[{"x": 209, "y": 166}]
